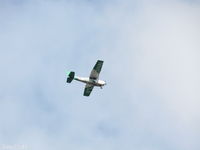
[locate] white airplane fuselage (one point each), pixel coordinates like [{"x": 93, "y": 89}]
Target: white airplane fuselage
[{"x": 93, "y": 82}]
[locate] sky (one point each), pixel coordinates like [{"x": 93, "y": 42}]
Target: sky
[{"x": 151, "y": 51}]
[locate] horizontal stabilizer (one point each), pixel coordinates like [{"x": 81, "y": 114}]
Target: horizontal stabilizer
[{"x": 70, "y": 76}]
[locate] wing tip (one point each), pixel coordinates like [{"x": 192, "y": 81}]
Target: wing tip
[{"x": 100, "y": 61}]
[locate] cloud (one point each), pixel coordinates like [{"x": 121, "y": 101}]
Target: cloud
[{"x": 151, "y": 52}]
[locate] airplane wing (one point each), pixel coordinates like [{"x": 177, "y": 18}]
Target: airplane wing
[
  {"x": 88, "y": 89},
  {"x": 96, "y": 70}
]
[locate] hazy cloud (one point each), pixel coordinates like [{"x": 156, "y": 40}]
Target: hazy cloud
[{"x": 150, "y": 49}]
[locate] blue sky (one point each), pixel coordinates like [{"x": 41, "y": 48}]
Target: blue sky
[{"x": 151, "y": 54}]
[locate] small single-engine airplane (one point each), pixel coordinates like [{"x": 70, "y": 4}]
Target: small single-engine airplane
[{"x": 92, "y": 81}]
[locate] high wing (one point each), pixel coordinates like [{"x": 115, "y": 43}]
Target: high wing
[
  {"x": 96, "y": 70},
  {"x": 88, "y": 89}
]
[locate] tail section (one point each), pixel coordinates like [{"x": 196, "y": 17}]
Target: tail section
[{"x": 70, "y": 76}]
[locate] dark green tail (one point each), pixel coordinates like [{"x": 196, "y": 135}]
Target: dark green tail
[{"x": 70, "y": 76}]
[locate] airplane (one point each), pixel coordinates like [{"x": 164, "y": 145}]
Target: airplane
[{"x": 91, "y": 81}]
